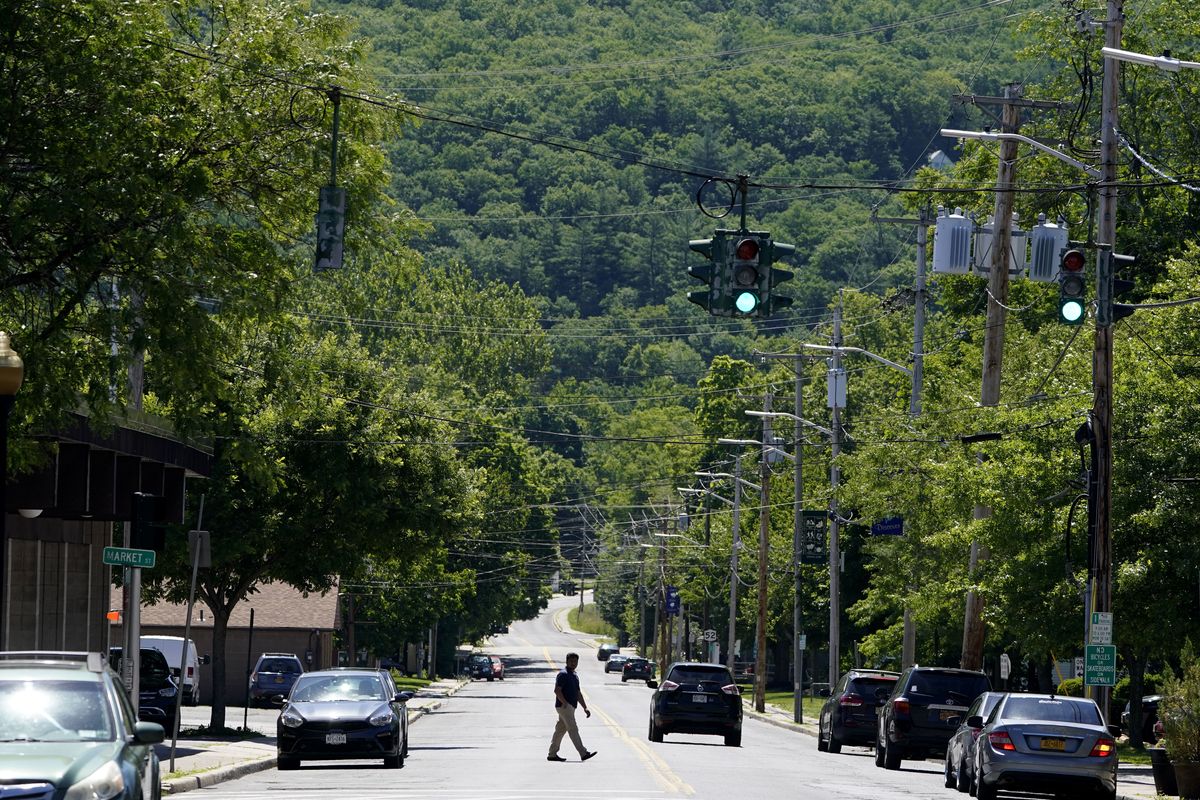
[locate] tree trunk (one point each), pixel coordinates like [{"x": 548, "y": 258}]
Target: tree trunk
[{"x": 216, "y": 722}]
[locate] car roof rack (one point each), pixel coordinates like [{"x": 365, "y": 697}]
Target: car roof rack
[{"x": 93, "y": 661}]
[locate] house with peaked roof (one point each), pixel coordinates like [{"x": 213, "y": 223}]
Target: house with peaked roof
[{"x": 277, "y": 618}]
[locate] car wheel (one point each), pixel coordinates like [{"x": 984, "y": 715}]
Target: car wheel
[
  {"x": 656, "y": 735},
  {"x": 985, "y": 791},
  {"x": 733, "y": 739},
  {"x": 962, "y": 779},
  {"x": 835, "y": 744},
  {"x": 878, "y": 753},
  {"x": 156, "y": 776},
  {"x": 623, "y": 679},
  {"x": 948, "y": 773},
  {"x": 393, "y": 762},
  {"x": 284, "y": 763},
  {"x": 822, "y": 745},
  {"x": 891, "y": 756}
]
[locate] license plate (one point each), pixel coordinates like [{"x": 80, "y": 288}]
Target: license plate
[
  {"x": 699, "y": 698},
  {"x": 279, "y": 679},
  {"x": 944, "y": 714},
  {"x": 335, "y": 738},
  {"x": 1053, "y": 744}
]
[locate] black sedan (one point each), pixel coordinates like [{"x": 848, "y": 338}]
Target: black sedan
[
  {"x": 343, "y": 713},
  {"x": 635, "y": 668},
  {"x": 696, "y": 698}
]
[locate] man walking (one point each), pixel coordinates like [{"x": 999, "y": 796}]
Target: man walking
[{"x": 566, "y": 697}]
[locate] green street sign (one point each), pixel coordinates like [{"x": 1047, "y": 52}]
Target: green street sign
[
  {"x": 1100, "y": 665},
  {"x": 128, "y": 557}
]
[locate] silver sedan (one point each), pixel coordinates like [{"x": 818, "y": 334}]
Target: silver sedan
[{"x": 1045, "y": 743}]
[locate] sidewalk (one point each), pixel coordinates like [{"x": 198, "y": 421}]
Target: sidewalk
[
  {"x": 1134, "y": 781},
  {"x": 204, "y": 762}
]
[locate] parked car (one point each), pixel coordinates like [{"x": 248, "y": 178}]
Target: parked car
[
  {"x": 273, "y": 676},
  {"x": 1045, "y": 743},
  {"x": 960, "y": 751},
  {"x": 848, "y": 715},
  {"x": 637, "y": 668},
  {"x": 615, "y": 662},
  {"x": 172, "y": 649},
  {"x": 924, "y": 709},
  {"x": 606, "y": 650},
  {"x": 81, "y": 738},
  {"x": 480, "y": 667},
  {"x": 696, "y": 698},
  {"x": 1149, "y": 717},
  {"x": 157, "y": 690},
  {"x": 497, "y": 667},
  {"x": 343, "y": 713}
]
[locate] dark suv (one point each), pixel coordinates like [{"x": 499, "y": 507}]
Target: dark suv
[
  {"x": 156, "y": 687},
  {"x": 696, "y": 698},
  {"x": 848, "y": 716},
  {"x": 273, "y": 676},
  {"x": 923, "y": 711}
]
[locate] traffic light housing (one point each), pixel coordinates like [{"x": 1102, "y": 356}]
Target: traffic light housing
[
  {"x": 749, "y": 276},
  {"x": 1120, "y": 286},
  {"x": 776, "y": 252},
  {"x": 1072, "y": 288},
  {"x": 713, "y": 298},
  {"x": 147, "y": 530}
]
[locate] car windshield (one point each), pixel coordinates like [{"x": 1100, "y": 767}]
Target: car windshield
[
  {"x": 1051, "y": 709},
  {"x": 335, "y": 688},
  {"x": 279, "y": 665},
  {"x": 870, "y": 686},
  {"x": 54, "y": 711},
  {"x": 940, "y": 687}
]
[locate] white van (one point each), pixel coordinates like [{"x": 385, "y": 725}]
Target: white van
[{"x": 172, "y": 648}]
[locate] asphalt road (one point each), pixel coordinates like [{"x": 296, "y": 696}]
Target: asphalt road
[{"x": 489, "y": 742}]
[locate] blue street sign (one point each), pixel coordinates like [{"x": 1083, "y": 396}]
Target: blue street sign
[
  {"x": 888, "y": 526},
  {"x": 672, "y": 600}
]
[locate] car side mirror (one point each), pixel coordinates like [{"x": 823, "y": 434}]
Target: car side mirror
[
  {"x": 823, "y": 693},
  {"x": 403, "y": 697},
  {"x": 148, "y": 733},
  {"x": 1115, "y": 730},
  {"x": 975, "y": 721},
  {"x": 205, "y": 659},
  {"x": 278, "y": 700},
  {"x": 653, "y": 684}
]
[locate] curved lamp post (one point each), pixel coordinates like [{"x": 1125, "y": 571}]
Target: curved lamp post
[{"x": 12, "y": 373}]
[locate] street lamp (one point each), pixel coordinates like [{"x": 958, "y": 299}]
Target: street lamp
[
  {"x": 12, "y": 373},
  {"x": 1163, "y": 62}
]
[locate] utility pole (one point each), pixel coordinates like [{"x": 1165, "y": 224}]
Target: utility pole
[
  {"x": 733, "y": 560},
  {"x": 797, "y": 544},
  {"x": 660, "y": 611},
  {"x": 993, "y": 346},
  {"x": 1102, "y": 355},
  {"x": 835, "y": 476},
  {"x": 764, "y": 531}
]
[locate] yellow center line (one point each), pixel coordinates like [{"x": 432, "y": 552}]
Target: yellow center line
[{"x": 655, "y": 765}]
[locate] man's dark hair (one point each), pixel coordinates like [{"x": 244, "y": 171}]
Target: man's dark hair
[{"x": 573, "y": 655}]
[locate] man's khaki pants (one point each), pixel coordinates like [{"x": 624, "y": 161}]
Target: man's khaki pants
[{"x": 566, "y": 725}]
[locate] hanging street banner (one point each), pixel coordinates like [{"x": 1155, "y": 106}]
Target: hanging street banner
[{"x": 813, "y": 547}]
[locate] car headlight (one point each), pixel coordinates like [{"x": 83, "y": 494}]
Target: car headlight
[
  {"x": 104, "y": 783},
  {"x": 291, "y": 718},
  {"x": 167, "y": 692},
  {"x": 383, "y": 716}
]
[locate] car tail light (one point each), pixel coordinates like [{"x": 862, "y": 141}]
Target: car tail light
[
  {"x": 850, "y": 700},
  {"x": 668, "y": 686},
  {"x": 730, "y": 688},
  {"x": 1104, "y": 747},
  {"x": 1000, "y": 741},
  {"x": 191, "y": 671},
  {"x": 900, "y": 707}
]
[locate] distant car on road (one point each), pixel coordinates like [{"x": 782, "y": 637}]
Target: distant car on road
[
  {"x": 497, "y": 667},
  {"x": 696, "y": 698},
  {"x": 606, "y": 650},
  {"x": 848, "y": 715},
  {"x": 923, "y": 711},
  {"x": 273, "y": 676},
  {"x": 637, "y": 668},
  {"x": 80, "y": 738},
  {"x": 343, "y": 713},
  {"x": 1045, "y": 743},
  {"x": 960, "y": 751},
  {"x": 615, "y": 662},
  {"x": 480, "y": 667}
]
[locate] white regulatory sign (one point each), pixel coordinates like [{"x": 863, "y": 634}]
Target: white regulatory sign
[{"x": 1101, "y": 629}]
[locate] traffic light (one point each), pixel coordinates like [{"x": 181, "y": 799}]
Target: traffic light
[
  {"x": 748, "y": 275},
  {"x": 1072, "y": 287},
  {"x": 775, "y": 252},
  {"x": 1120, "y": 286},
  {"x": 713, "y": 298},
  {"x": 147, "y": 531}
]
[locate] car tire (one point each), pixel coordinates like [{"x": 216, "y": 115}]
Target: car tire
[
  {"x": 283, "y": 763},
  {"x": 891, "y": 756},
  {"x": 656, "y": 735},
  {"x": 985, "y": 791},
  {"x": 962, "y": 779},
  {"x": 878, "y": 754},
  {"x": 623, "y": 679},
  {"x": 835, "y": 744},
  {"x": 948, "y": 774},
  {"x": 733, "y": 739},
  {"x": 822, "y": 745},
  {"x": 393, "y": 762}
]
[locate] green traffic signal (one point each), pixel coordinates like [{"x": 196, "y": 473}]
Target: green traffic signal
[
  {"x": 1072, "y": 288},
  {"x": 746, "y": 274}
]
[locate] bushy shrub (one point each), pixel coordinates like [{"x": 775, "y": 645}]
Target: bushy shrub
[{"x": 1071, "y": 687}]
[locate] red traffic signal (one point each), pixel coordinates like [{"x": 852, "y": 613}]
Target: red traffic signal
[
  {"x": 747, "y": 250},
  {"x": 1072, "y": 261}
]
